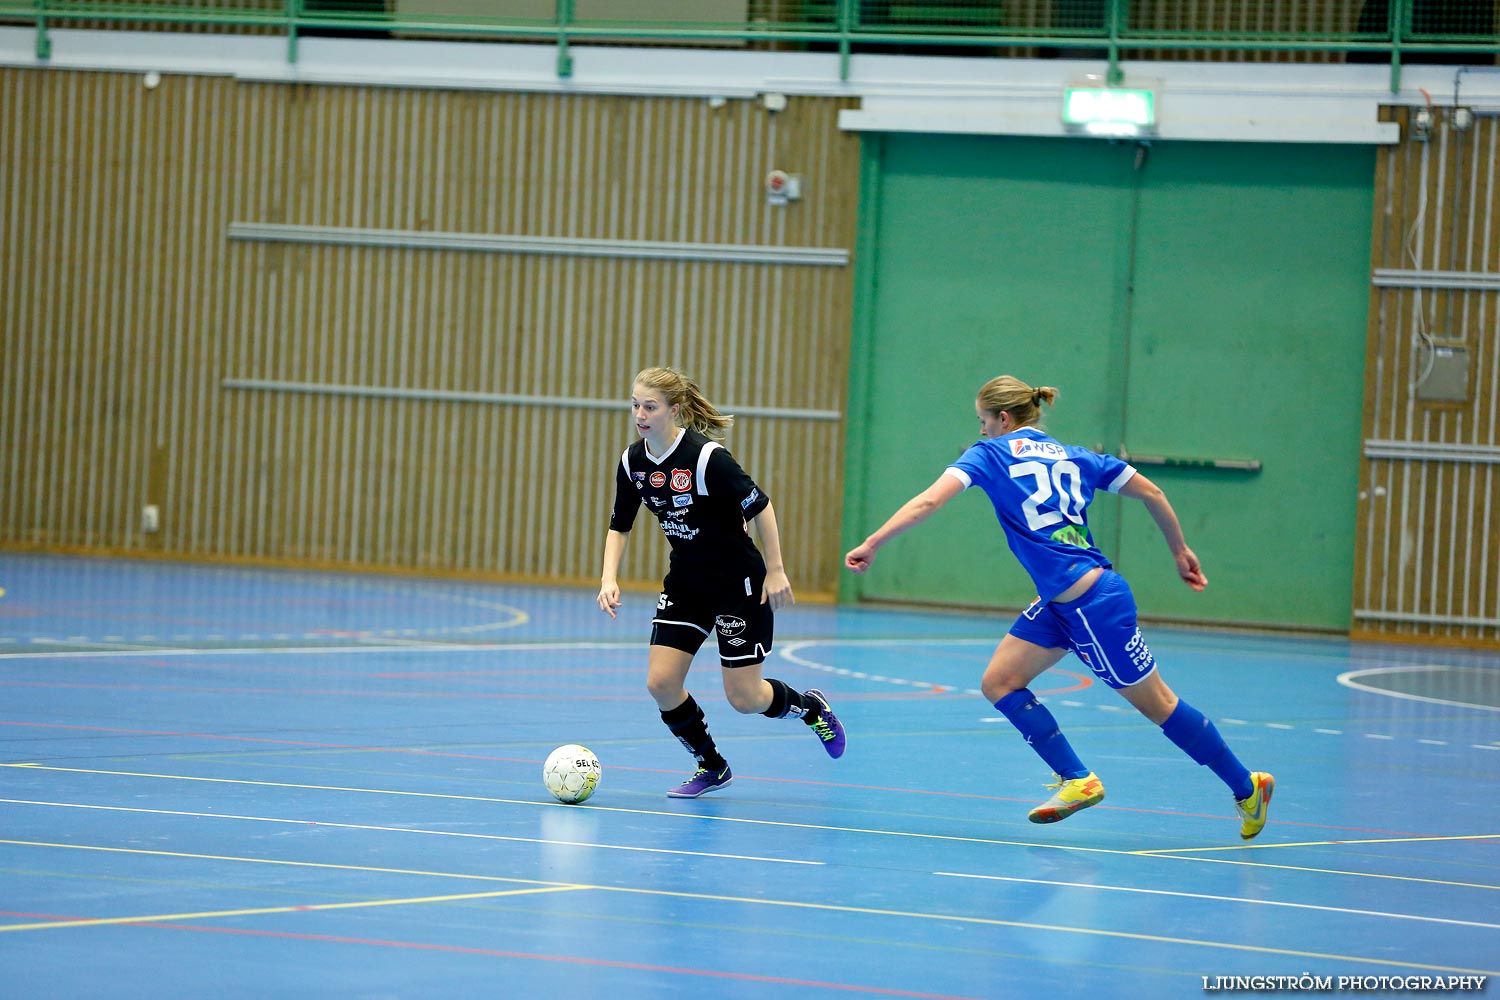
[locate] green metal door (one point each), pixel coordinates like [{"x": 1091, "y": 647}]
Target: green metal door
[{"x": 1190, "y": 301}]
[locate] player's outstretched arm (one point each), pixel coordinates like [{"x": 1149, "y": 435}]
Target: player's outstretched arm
[
  {"x": 609, "y": 582},
  {"x": 1138, "y": 487},
  {"x": 912, "y": 513},
  {"x": 778, "y": 588}
]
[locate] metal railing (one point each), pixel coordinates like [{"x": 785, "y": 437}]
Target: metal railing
[{"x": 1379, "y": 31}]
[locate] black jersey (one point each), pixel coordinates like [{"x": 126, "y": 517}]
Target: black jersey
[{"x": 702, "y": 498}]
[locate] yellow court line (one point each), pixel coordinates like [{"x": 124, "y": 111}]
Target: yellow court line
[
  {"x": 950, "y": 838},
  {"x": 1321, "y": 843},
  {"x": 791, "y": 904},
  {"x": 1023, "y": 925},
  {"x": 164, "y": 917},
  {"x": 295, "y": 864}
]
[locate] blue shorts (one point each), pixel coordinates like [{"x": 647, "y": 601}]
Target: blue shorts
[{"x": 1100, "y": 627}]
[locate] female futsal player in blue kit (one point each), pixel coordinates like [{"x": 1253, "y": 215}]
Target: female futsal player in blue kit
[{"x": 1041, "y": 490}]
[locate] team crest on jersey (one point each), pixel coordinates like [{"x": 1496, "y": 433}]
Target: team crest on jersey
[
  {"x": 682, "y": 480},
  {"x": 1029, "y": 448},
  {"x": 658, "y": 479},
  {"x": 728, "y": 625}
]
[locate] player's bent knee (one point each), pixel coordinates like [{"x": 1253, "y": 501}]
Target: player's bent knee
[
  {"x": 998, "y": 686},
  {"x": 664, "y": 689},
  {"x": 748, "y": 698},
  {"x": 745, "y": 706}
]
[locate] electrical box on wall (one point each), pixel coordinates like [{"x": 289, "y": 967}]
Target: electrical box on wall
[
  {"x": 782, "y": 187},
  {"x": 1447, "y": 378}
]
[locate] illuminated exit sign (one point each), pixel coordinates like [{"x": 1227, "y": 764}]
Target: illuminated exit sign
[{"x": 1110, "y": 110}]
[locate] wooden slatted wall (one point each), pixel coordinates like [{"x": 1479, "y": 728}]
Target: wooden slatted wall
[
  {"x": 1429, "y": 532},
  {"x": 127, "y": 307}
]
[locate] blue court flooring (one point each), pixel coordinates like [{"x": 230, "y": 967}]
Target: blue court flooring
[{"x": 231, "y": 782}]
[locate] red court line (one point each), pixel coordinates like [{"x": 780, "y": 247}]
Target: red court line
[
  {"x": 564, "y": 959},
  {"x": 265, "y": 739},
  {"x": 496, "y": 953},
  {"x": 321, "y": 692},
  {"x": 1084, "y": 681},
  {"x": 928, "y": 689},
  {"x": 502, "y": 672},
  {"x": 321, "y": 670}
]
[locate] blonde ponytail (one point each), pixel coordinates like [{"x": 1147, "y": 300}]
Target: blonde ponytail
[
  {"x": 694, "y": 412},
  {"x": 1021, "y": 401}
]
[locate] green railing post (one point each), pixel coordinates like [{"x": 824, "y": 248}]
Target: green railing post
[
  {"x": 1118, "y": 14},
  {"x": 564, "y": 55},
  {"x": 293, "y": 12},
  {"x": 846, "y": 27},
  {"x": 1400, "y": 12},
  {"x": 844, "y": 15},
  {"x": 43, "y": 40}
]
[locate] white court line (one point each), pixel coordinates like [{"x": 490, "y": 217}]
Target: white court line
[
  {"x": 404, "y": 829},
  {"x": 1229, "y": 899},
  {"x": 110, "y": 645},
  {"x": 790, "y": 649},
  {"x": 417, "y": 644},
  {"x": 1350, "y": 679},
  {"x": 788, "y": 652},
  {"x": 517, "y": 617}
]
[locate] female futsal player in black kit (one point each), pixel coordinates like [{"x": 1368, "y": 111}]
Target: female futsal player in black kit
[{"x": 717, "y": 578}]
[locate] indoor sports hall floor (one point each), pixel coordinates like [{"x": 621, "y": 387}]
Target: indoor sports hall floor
[{"x": 254, "y": 783}]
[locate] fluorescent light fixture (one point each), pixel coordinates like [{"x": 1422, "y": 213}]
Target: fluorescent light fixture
[{"x": 1110, "y": 111}]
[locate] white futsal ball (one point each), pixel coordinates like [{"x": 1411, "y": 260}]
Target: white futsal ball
[{"x": 571, "y": 773}]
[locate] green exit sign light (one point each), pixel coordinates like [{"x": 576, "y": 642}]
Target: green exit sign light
[{"x": 1110, "y": 110}]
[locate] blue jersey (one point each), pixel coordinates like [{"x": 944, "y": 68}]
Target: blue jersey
[{"x": 1041, "y": 491}]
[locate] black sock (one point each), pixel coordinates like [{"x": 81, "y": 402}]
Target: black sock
[
  {"x": 687, "y": 724},
  {"x": 787, "y": 702}
]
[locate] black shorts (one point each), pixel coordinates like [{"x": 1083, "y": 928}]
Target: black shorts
[{"x": 684, "y": 618}]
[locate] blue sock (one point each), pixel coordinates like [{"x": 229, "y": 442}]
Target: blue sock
[
  {"x": 1040, "y": 729},
  {"x": 1196, "y": 734}
]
